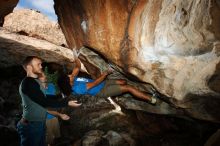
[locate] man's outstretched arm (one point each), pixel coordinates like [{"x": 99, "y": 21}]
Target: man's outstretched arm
[
  {"x": 31, "y": 88},
  {"x": 58, "y": 114}
]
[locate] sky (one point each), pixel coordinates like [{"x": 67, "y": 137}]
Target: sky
[{"x": 44, "y": 6}]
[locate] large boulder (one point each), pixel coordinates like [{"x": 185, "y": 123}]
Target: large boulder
[
  {"x": 33, "y": 23},
  {"x": 173, "y": 45},
  {"x": 15, "y": 47}
]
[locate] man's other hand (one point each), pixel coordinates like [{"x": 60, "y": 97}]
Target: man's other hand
[
  {"x": 73, "y": 103},
  {"x": 64, "y": 117}
]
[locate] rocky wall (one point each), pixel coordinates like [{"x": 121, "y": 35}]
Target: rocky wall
[{"x": 173, "y": 45}]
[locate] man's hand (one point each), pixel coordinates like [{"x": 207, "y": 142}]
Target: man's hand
[
  {"x": 64, "y": 117},
  {"x": 73, "y": 103}
]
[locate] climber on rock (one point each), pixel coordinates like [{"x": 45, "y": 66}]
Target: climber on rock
[{"x": 101, "y": 87}]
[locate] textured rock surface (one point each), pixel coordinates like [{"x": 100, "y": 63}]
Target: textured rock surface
[
  {"x": 92, "y": 138},
  {"x": 14, "y": 47},
  {"x": 10, "y": 104},
  {"x": 34, "y": 24},
  {"x": 99, "y": 123},
  {"x": 173, "y": 45},
  {"x": 7, "y": 7}
]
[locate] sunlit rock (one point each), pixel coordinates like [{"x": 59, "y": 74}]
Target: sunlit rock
[
  {"x": 173, "y": 45},
  {"x": 15, "y": 47},
  {"x": 33, "y": 23}
]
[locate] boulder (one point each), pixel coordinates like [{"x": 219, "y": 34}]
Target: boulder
[
  {"x": 34, "y": 24},
  {"x": 172, "y": 45},
  {"x": 15, "y": 47}
]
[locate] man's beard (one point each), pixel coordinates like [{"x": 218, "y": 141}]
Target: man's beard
[{"x": 37, "y": 72}]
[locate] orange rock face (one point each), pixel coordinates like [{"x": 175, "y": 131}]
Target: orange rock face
[
  {"x": 154, "y": 40},
  {"x": 97, "y": 24},
  {"x": 173, "y": 45}
]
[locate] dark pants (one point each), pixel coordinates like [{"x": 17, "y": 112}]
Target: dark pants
[{"x": 32, "y": 133}]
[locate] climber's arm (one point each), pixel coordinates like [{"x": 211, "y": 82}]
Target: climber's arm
[{"x": 75, "y": 70}]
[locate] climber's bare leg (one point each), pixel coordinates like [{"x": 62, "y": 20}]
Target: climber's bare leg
[{"x": 135, "y": 92}]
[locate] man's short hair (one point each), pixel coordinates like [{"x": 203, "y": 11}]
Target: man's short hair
[{"x": 28, "y": 60}]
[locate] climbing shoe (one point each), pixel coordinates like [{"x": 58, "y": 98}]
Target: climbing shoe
[
  {"x": 154, "y": 97},
  {"x": 153, "y": 100}
]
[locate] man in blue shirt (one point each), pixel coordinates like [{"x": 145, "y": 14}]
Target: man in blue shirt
[
  {"x": 52, "y": 122},
  {"x": 98, "y": 87}
]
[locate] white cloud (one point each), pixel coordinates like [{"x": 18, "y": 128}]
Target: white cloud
[{"x": 45, "y": 6}]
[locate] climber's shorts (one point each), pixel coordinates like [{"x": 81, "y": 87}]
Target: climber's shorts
[{"x": 111, "y": 88}]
